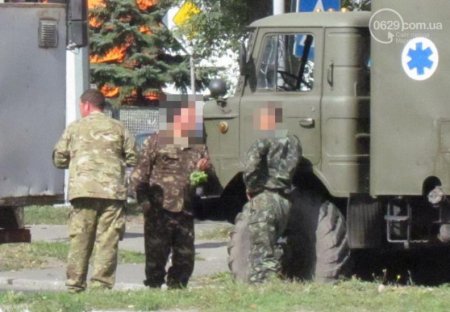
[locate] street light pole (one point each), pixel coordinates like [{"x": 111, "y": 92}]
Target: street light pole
[
  {"x": 278, "y": 7},
  {"x": 192, "y": 67}
]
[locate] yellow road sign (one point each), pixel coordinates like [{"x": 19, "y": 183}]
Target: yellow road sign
[{"x": 186, "y": 11}]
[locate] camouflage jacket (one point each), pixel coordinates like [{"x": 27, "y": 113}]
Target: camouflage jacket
[
  {"x": 96, "y": 150},
  {"x": 271, "y": 163},
  {"x": 162, "y": 173}
]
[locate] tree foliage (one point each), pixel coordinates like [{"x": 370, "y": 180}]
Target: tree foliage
[
  {"x": 221, "y": 24},
  {"x": 133, "y": 55}
]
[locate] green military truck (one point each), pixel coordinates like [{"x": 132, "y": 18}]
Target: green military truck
[{"x": 367, "y": 93}]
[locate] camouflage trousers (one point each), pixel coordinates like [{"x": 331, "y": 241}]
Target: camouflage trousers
[
  {"x": 98, "y": 223},
  {"x": 267, "y": 216},
  {"x": 168, "y": 232}
]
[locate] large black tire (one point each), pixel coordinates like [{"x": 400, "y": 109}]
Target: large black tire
[
  {"x": 239, "y": 250},
  {"x": 332, "y": 250},
  {"x": 317, "y": 242}
]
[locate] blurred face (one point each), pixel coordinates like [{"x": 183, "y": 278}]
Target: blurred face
[
  {"x": 181, "y": 123},
  {"x": 184, "y": 122},
  {"x": 267, "y": 119}
]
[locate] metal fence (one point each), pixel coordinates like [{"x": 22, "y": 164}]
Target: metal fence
[{"x": 140, "y": 121}]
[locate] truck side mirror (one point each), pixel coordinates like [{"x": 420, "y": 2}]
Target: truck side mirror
[{"x": 218, "y": 89}]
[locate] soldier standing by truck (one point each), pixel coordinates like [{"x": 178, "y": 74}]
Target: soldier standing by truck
[
  {"x": 96, "y": 150},
  {"x": 268, "y": 173},
  {"x": 161, "y": 180}
]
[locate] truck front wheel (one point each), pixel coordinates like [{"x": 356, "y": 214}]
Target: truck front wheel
[
  {"x": 317, "y": 243},
  {"x": 316, "y": 247},
  {"x": 239, "y": 250}
]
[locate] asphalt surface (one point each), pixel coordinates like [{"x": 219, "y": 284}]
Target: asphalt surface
[{"x": 211, "y": 258}]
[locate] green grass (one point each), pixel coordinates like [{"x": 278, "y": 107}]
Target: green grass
[
  {"x": 44, "y": 254},
  {"x": 221, "y": 232},
  {"x": 46, "y": 214},
  {"x": 126, "y": 256},
  {"x": 133, "y": 209},
  {"x": 219, "y": 294},
  {"x": 33, "y": 255},
  {"x": 60, "y": 215}
]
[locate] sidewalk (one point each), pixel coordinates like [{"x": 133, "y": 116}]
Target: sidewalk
[{"x": 211, "y": 255}]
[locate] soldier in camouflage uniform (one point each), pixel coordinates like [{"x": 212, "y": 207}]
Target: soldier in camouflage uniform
[
  {"x": 268, "y": 173},
  {"x": 96, "y": 150},
  {"x": 161, "y": 181}
]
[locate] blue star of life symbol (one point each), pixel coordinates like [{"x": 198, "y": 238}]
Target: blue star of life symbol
[{"x": 420, "y": 58}]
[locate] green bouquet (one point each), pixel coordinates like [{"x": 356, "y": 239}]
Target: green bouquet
[{"x": 198, "y": 177}]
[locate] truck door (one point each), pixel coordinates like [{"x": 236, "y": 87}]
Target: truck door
[
  {"x": 346, "y": 110},
  {"x": 287, "y": 77}
]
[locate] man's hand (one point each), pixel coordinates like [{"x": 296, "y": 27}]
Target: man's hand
[{"x": 203, "y": 164}]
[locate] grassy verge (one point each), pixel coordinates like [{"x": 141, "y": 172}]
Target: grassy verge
[
  {"x": 221, "y": 294},
  {"x": 46, "y": 214},
  {"x": 59, "y": 215},
  {"x": 30, "y": 256},
  {"x": 44, "y": 254},
  {"x": 221, "y": 232}
]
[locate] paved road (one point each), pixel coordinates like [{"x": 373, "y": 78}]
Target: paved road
[{"x": 211, "y": 259}]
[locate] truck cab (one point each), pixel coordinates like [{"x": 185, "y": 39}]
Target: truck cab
[
  {"x": 315, "y": 68},
  {"x": 318, "y": 74}
]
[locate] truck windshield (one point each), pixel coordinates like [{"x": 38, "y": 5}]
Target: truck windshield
[{"x": 286, "y": 63}]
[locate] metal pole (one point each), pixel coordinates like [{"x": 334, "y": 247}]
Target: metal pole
[
  {"x": 192, "y": 66},
  {"x": 77, "y": 81},
  {"x": 278, "y": 7}
]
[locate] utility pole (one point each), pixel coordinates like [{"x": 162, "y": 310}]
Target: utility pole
[
  {"x": 192, "y": 68},
  {"x": 278, "y": 7},
  {"x": 77, "y": 61}
]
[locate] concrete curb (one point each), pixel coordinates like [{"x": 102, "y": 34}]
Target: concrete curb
[
  {"x": 34, "y": 285},
  {"x": 21, "y": 283}
]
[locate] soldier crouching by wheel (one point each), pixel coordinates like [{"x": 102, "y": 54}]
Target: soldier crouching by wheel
[
  {"x": 269, "y": 169},
  {"x": 161, "y": 180}
]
